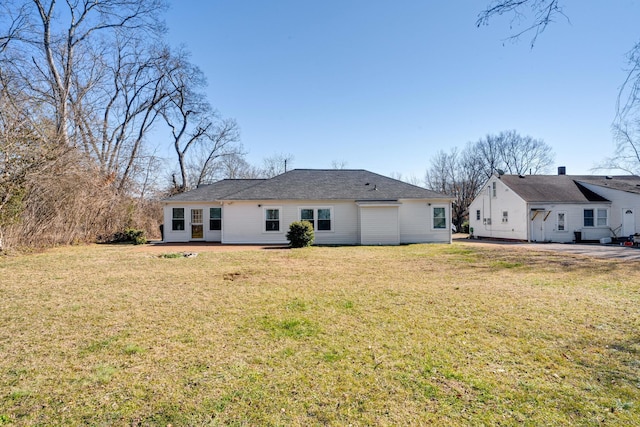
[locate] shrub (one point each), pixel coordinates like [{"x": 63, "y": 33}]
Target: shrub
[
  {"x": 130, "y": 235},
  {"x": 465, "y": 227},
  {"x": 300, "y": 234}
]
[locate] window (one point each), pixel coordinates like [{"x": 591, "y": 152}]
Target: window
[
  {"x": 439, "y": 218},
  {"x": 478, "y": 215},
  {"x": 307, "y": 215},
  {"x": 601, "y": 219},
  {"x": 215, "y": 219},
  {"x": 505, "y": 216},
  {"x": 561, "y": 221},
  {"x": 177, "y": 220},
  {"x": 272, "y": 219},
  {"x": 324, "y": 219},
  {"x": 588, "y": 217},
  {"x": 320, "y": 218},
  {"x": 493, "y": 187}
]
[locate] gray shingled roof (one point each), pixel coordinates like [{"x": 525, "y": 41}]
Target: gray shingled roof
[
  {"x": 628, "y": 183},
  {"x": 312, "y": 184},
  {"x": 216, "y": 191},
  {"x": 555, "y": 188}
]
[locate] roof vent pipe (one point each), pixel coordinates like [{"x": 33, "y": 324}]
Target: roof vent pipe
[{"x": 562, "y": 170}]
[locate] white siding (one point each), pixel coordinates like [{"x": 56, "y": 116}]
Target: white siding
[
  {"x": 244, "y": 222},
  {"x": 574, "y": 221},
  {"x": 171, "y": 236},
  {"x": 491, "y": 213},
  {"x": 524, "y": 224},
  {"x": 619, "y": 200},
  {"x": 416, "y": 222},
  {"x": 379, "y": 225}
]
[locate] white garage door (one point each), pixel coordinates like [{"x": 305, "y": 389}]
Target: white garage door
[{"x": 379, "y": 225}]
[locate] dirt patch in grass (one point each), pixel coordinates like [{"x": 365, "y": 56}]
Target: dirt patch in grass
[{"x": 202, "y": 247}]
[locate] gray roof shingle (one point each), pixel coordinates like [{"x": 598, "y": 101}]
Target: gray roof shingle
[
  {"x": 567, "y": 188},
  {"x": 215, "y": 191},
  {"x": 312, "y": 184}
]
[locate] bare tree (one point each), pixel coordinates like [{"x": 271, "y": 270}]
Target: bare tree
[
  {"x": 339, "y": 164},
  {"x": 14, "y": 23},
  {"x": 81, "y": 83},
  {"x": 459, "y": 175},
  {"x": 534, "y": 16},
  {"x": 114, "y": 114},
  {"x": 54, "y": 48},
  {"x": 235, "y": 166},
  {"x": 220, "y": 142},
  {"x": 524, "y": 154},
  {"x": 489, "y": 153},
  {"x": 23, "y": 153},
  {"x": 200, "y": 136},
  {"x": 277, "y": 164},
  {"x": 512, "y": 153},
  {"x": 626, "y": 156}
]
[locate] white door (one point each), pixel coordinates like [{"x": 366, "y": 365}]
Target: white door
[
  {"x": 197, "y": 225},
  {"x": 628, "y": 222},
  {"x": 537, "y": 226}
]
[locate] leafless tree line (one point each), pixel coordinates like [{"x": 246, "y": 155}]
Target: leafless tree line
[
  {"x": 82, "y": 86},
  {"x": 461, "y": 173}
]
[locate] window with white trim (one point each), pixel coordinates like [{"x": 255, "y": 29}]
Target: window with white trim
[
  {"x": 596, "y": 217},
  {"x": 320, "y": 218},
  {"x": 177, "y": 219},
  {"x": 215, "y": 219},
  {"x": 308, "y": 215},
  {"x": 561, "y": 221},
  {"x": 439, "y": 215},
  {"x": 505, "y": 216},
  {"x": 478, "y": 215},
  {"x": 493, "y": 188},
  {"x": 602, "y": 218},
  {"x": 272, "y": 219}
]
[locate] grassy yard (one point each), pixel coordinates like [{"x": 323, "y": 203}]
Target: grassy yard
[{"x": 411, "y": 335}]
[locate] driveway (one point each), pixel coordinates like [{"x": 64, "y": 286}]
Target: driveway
[{"x": 589, "y": 250}]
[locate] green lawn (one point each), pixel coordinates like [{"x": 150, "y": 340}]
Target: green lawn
[{"x": 411, "y": 335}]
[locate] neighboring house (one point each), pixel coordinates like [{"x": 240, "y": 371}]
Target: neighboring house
[
  {"x": 346, "y": 207},
  {"x": 556, "y": 208}
]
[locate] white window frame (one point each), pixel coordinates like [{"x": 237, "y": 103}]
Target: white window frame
[
  {"x": 505, "y": 216},
  {"x": 598, "y": 217},
  {"x": 210, "y": 218},
  {"x": 593, "y": 217},
  {"x": 264, "y": 219},
  {"x": 564, "y": 222},
  {"x": 183, "y": 219},
  {"x": 446, "y": 219},
  {"x": 478, "y": 215},
  {"x": 316, "y": 217},
  {"x": 494, "y": 190}
]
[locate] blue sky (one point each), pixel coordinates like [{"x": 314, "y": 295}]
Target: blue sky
[{"x": 384, "y": 85}]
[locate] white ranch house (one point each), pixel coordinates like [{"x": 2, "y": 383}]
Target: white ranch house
[
  {"x": 556, "y": 208},
  {"x": 346, "y": 207}
]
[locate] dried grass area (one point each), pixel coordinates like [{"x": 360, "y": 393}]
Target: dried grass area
[{"x": 411, "y": 335}]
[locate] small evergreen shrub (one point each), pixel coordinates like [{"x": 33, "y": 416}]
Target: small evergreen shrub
[
  {"x": 300, "y": 234},
  {"x": 130, "y": 235},
  {"x": 137, "y": 237}
]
